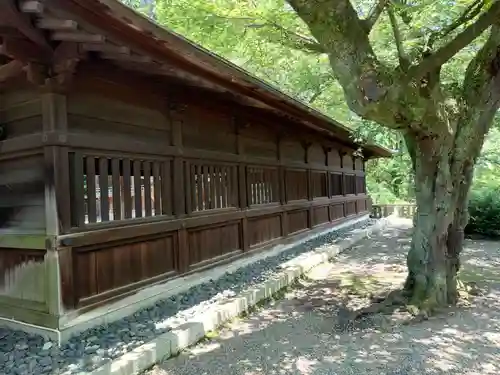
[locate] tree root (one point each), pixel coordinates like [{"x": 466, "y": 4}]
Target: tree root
[{"x": 381, "y": 305}]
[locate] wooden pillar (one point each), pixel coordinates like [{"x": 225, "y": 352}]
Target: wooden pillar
[
  {"x": 310, "y": 197},
  {"x": 282, "y": 187},
  {"x": 327, "y": 151},
  {"x": 57, "y": 202},
  {"x": 176, "y": 113},
  {"x": 243, "y": 187}
]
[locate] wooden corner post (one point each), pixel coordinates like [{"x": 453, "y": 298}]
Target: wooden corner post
[{"x": 57, "y": 202}]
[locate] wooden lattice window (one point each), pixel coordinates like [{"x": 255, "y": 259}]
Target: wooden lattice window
[
  {"x": 112, "y": 188},
  {"x": 263, "y": 185},
  {"x": 213, "y": 186}
]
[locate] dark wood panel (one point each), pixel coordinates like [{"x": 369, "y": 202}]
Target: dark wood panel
[
  {"x": 296, "y": 184},
  {"x": 319, "y": 184},
  {"x": 320, "y": 215},
  {"x": 99, "y": 270},
  {"x": 297, "y": 220},
  {"x": 264, "y": 229},
  {"x": 337, "y": 211},
  {"x": 350, "y": 208},
  {"x": 361, "y": 205},
  {"x": 115, "y": 111},
  {"x": 316, "y": 154},
  {"x": 214, "y": 241},
  {"x": 334, "y": 159},
  {"x": 293, "y": 150}
]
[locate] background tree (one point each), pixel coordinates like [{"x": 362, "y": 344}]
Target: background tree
[{"x": 426, "y": 72}]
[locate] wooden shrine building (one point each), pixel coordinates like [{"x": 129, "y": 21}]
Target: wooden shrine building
[{"x": 130, "y": 156}]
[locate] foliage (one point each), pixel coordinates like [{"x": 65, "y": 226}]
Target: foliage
[
  {"x": 484, "y": 210},
  {"x": 484, "y": 204}
]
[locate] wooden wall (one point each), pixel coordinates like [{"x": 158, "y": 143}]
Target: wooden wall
[
  {"x": 21, "y": 171},
  {"x": 150, "y": 186}
]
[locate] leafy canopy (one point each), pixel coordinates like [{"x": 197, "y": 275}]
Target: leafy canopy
[{"x": 267, "y": 38}]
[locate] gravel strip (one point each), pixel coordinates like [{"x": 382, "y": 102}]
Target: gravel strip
[{"x": 23, "y": 354}]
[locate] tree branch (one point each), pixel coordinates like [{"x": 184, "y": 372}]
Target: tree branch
[
  {"x": 292, "y": 39},
  {"x": 469, "y": 13},
  {"x": 286, "y": 36},
  {"x": 481, "y": 97},
  {"x": 404, "y": 62},
  {"x": 374, "y": 15},
  {"x": 364, "y": 79},
  {"x": 460, "y": 41}
]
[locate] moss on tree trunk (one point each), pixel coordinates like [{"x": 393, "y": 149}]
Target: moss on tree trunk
[{"x": 442, "y": 198}]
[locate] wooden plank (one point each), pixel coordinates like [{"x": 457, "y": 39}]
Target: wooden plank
[
  {"x": 189, "y": 186},
  {"x": 66, "y": 274},
  {"x": 166, "y": 181},
  {"x": 78, "y": 190},
  {"x": 147, "y": 188},
  {"x": 91, "y": 189},
  {"x": 137, "y": 188},
  {"x": 200, "y": 186},
  {"x": 157, "y": 188},
  {"x": 225, "y": 186},
  {"x": 127, "y": 189},
  {"x": 234, "y": 187},
  {"x": 178, "y": 186},
  {"x": 242, "y": 186},
  {"x": 218, "y": 191},
  {"x": 104, "y": 188},
  {"x": 212, "y": 186},
  {"x": 206, "y": 188},
  {"x": 115, "y": 182}
]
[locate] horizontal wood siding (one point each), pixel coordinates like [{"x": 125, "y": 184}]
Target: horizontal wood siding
[
  {"x": 20, "y": 112},
  {"x": 264, "y": 229},
  {"x": 22, "y": 195}
]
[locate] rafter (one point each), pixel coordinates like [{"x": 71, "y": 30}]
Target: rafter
[
  {"x": 11, "y": 69},
  {"x": 10, "y": 13},
  {"x": 23, "y": 50}
]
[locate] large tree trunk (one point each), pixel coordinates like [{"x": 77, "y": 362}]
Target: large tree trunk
[{"x": 442, "y": 198}]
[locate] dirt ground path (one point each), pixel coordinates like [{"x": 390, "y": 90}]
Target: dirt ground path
[{"x": 305, "y": 333}]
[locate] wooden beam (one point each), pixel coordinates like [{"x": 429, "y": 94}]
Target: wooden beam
[
  {"x": 56, "y": 24},
  {"x": 66, "y": 58},
  {"x": 20, "y": 21},
  {"x": 105, "y": 47},
  {"x": 31, "y": 6},
  {"x": 127, "y": 58},
  {"x": 82, "y": 37},
  {"x": 23, "y": 50},
  {"x": 11, "y": 69}
]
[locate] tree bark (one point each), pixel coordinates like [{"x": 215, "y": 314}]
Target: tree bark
[{"x": 431, "y": 267}]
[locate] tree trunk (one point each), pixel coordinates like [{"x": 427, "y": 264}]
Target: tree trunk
[{"x": 433, "y": 259}]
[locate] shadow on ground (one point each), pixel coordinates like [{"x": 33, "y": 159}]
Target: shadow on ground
[{"x": 305, "y": 334}]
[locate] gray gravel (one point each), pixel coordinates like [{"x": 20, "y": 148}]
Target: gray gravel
[
  {"x": 23, "y": 354},
  {"x": 297, "y": 335}
]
